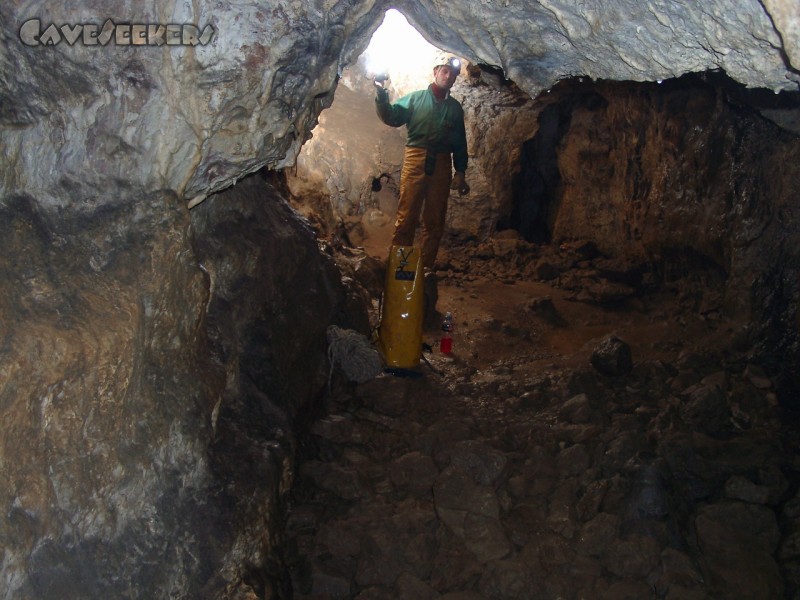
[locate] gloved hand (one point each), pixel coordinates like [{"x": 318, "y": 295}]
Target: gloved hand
[
  {"x": 380, "y": 80},
  {"x": 382, "y": 94},
  {"x": 459, "y": 183}
]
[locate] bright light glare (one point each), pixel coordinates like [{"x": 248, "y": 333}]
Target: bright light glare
[{"x": 397, "y": 48}]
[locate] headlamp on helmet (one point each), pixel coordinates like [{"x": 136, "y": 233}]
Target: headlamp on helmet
[{"x": 445, "y": 60}]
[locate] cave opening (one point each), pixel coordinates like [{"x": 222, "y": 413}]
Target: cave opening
[
  {"x": 347, "y": 176},
  {"x": 396, "y": 48}
]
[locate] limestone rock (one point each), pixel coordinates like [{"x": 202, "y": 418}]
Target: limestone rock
[
  {"x": 412, "y": 588},
  {"x": 245, "y": 104},
  {"x": 634, "y": 557},
  {"x": 706, "y": 409},
  {"x": 472, "y": 512},
  {"x": 509, "y": 579},
  {"x": 455, "y": 491},
  {"x": 612, "y": 357},
  {"x": 596, "y": 534},
  {"x": 738, "y": 541},
  {"x": 463, "y": 596},
  {"x": 192, "y": 119},
  {"x": 160, "y": 417},
  {"x": 741, "y": 488},
  {"x": 484, "y": 464},
  {"x": 577, "y": 409},
  {"x": 329, "y": 586},
  {"x": 414, "y": 473},
  {"x": 103, "y": 319},
  {"x": 154, "y": 361}
]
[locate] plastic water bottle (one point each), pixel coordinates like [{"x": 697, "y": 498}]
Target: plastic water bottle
[{"x": 446, "y": 342}]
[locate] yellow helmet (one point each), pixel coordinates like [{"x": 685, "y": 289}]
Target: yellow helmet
[{"x": 444, "y": 58}]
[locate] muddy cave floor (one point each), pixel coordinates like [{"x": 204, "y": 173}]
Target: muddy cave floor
[{"x": 514, "y": 469}]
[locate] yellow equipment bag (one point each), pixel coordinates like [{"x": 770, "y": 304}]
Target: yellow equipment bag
[{"x": 400, "y": 331}]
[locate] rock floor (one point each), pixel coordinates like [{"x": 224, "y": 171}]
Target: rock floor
[{"x": 515, "y": 469}]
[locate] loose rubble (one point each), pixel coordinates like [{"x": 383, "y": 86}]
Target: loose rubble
[{"x": 647, "y": 462}]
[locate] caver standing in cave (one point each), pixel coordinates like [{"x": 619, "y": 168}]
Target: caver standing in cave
[{"x": 436, "y": 143}]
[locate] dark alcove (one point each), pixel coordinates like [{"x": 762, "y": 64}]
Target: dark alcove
[{"x": 537, "y": 186}]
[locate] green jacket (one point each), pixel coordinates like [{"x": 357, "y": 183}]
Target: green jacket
[{"x": 437, "y": 126}]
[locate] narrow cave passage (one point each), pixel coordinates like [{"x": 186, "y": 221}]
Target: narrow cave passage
[
  {"x": 169, "y": 426},
  {"x": 605, "y": 427}
]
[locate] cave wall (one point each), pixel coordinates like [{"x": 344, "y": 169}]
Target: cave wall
[
  {"x": 153, "y": 365},
  {"x": 145, "y": 445},
  {"x": 499, "y": 118},
  {"x": 80, "y": 120},
  {"x": 273, "y": 295},
  {"x": 105, "y": 421},
  {"x": 349, "y": 147},
  {"x": 648, "y": 168},
  {"x": 685, "y": 177}
]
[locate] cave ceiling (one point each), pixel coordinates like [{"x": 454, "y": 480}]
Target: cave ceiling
[{"x": 87, "y": 123}]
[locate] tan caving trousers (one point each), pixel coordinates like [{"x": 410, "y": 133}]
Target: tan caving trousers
[{"x": 424, "y": 195}]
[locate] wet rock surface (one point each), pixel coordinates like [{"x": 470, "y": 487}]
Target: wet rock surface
[{"x": 521, "y": 470}]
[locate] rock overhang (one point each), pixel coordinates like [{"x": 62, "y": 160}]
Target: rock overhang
[{"x": 86, "y": 125}]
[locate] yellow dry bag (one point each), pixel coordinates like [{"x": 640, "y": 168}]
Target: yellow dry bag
[{"x": 400, "y": 331}]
